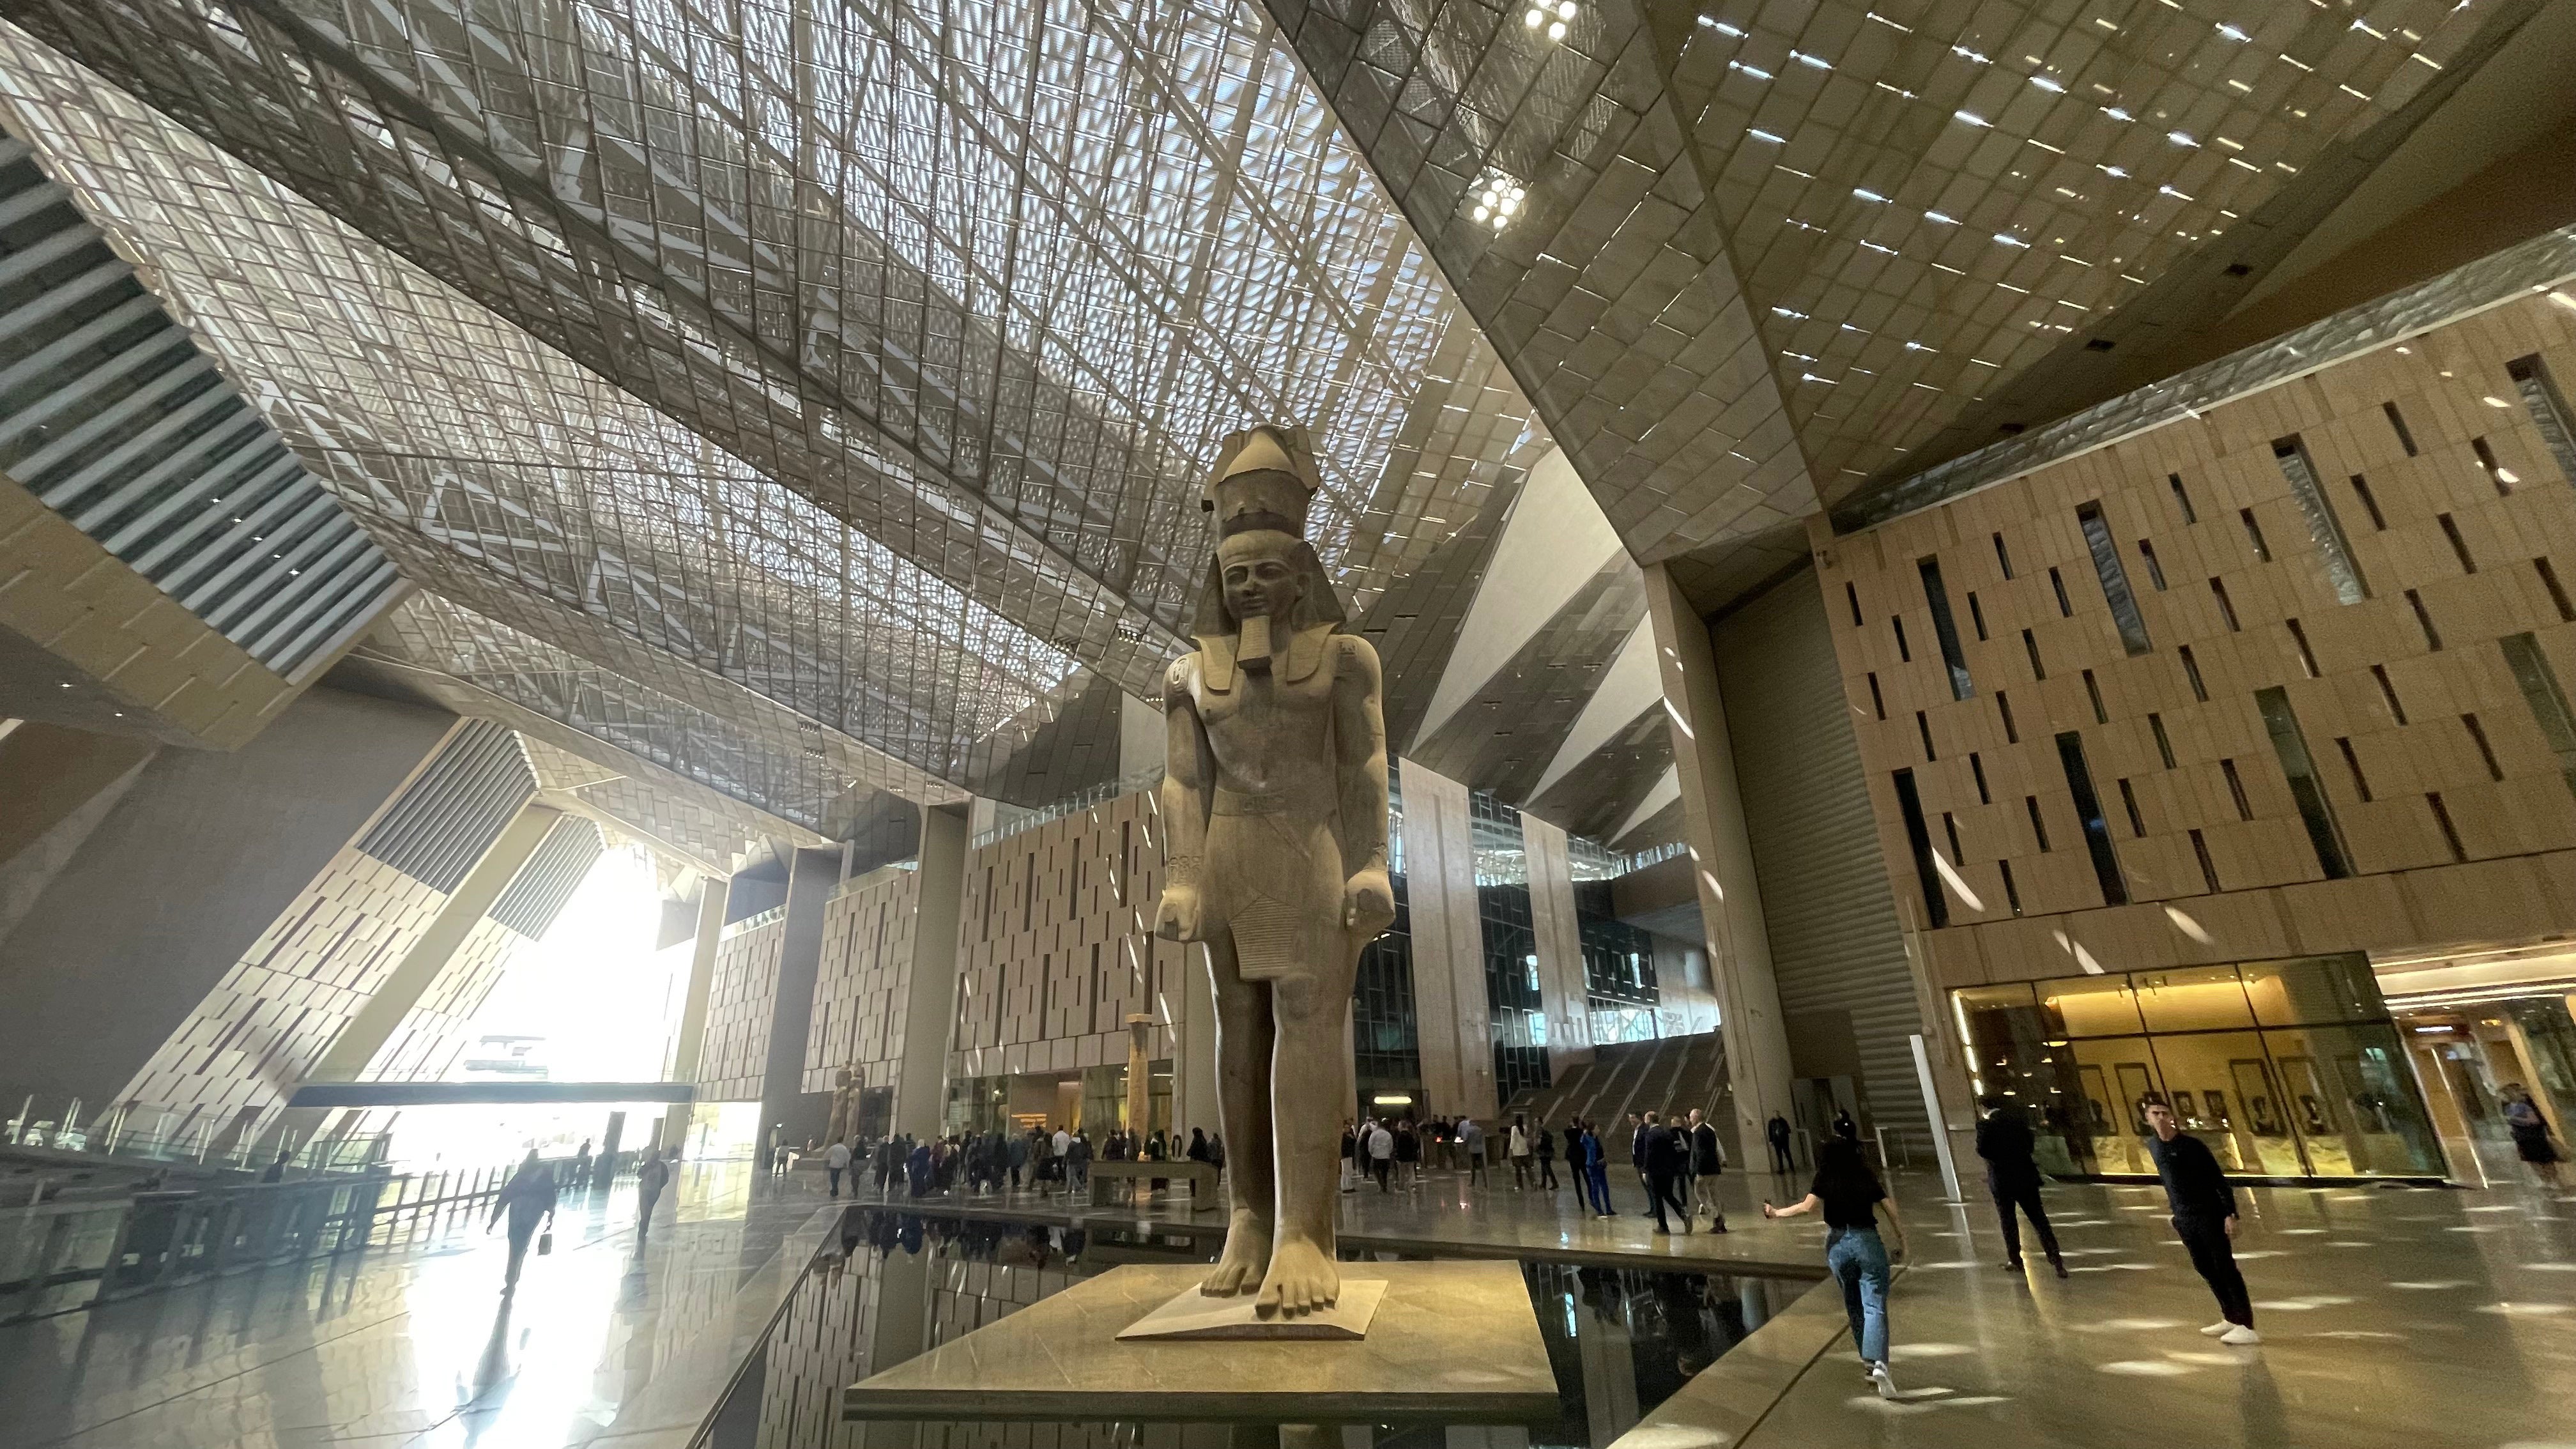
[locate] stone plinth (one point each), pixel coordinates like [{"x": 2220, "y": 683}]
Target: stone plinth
[{"x": 1450, "y": 1343}]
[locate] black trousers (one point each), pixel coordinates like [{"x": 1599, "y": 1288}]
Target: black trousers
[
  {"x": 1780, "y": 1158},
  {"x": 1663, "y": 1192},
  {"x": 1547, "y": 1172},
  {"x": 2026, "y": 1198},
  {"x": 2213, "y": 1254}
]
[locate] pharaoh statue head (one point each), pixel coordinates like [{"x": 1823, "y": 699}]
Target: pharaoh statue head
[{"x": 1264, "y": 583}]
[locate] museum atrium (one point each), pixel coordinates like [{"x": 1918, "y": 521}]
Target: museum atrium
[{"x": 1963, "y": 601}]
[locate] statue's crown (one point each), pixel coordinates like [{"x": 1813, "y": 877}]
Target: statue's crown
[{"x": 1265, "y": 478}]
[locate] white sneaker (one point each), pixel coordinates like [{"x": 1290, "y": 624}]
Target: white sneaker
[
  {"x": 2218, "y": 1329},
  {"x": 1886, "y": 1382},
  {"x": 2240, "y": 1336}
]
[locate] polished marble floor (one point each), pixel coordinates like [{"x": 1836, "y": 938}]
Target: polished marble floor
[
  {"x": 2391, "y": 1317},
  {"x": 415, "y": 1347}
]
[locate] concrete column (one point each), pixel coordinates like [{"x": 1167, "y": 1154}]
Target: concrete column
[
  {"x": 1730, "y": 901},
  {"x": 1452, "y": 1014},
  {"x": 702, "y": 980},
  {"x": 930, "y": 996},
  {"x": 376, "y": 1021},
  {"x": 1562, "y": 995},
  {"x": 812, "y": 877}
]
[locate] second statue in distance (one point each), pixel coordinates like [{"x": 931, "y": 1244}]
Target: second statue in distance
[{"x": 1274, "y": 808}]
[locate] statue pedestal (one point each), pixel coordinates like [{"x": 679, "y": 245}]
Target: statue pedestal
[{"x": 1448, "y": 1343}]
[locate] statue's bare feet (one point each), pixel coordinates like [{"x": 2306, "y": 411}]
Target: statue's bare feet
[
  {"x": 1302, "y": 1278},
  {"x": 1246, "y": 1256}
]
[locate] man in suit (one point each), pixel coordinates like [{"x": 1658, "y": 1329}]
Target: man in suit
[
  {"x": 2012, "y": 1180},
  {"x": 1664, "y": 1158},
  {"x": 1776, "y": 1132}
]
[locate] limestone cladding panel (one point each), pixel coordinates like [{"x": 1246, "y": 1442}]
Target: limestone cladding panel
[
  {"x": 259, "y": 1032},
  {"x": 866, "y": 974},
  {"x": 1056, "y": 943},
  {"x": 735, "y": 1053},
  {"x": 1563, "y": 994},
  {"x": 1450, "y": 1006},
  {"x": 2463, "y": 528},
  {"x": 432, "y": 1034},
  {"x": 172, "y": 671}
]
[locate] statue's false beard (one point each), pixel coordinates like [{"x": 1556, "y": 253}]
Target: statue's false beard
[{"x": 1253, "y": 642}]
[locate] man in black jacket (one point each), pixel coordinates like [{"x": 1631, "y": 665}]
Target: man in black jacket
[
  {"x": 2204, "y": 1217},
  {"x": 1663, "y": 1157},
  {"x": 1776, "y": 1132},
  {"x": 2012, "y": 1180}
]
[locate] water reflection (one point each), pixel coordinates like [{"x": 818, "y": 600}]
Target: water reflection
[{"x": 1620, "y": 1341}]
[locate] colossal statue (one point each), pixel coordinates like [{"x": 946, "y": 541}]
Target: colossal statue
[{"x": 1274, "y": 804}]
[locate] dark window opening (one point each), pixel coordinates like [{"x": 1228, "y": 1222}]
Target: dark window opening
[
  {"x": 2254, "y": 534},
  {"x": 2397, "y": 422},
  {"x": 2002, "y": 557},
  {"x": 2388, "y": 692},
  {"x": 1923, "y": 727},
  {"x": 2088, "y": 812},
  {"x": 2155, "y": 570},
  {"x": 2307, "y": 656},
  {"x": 2325, "y": 528},
  {"x": 1851, "y": 596},
  {"x": 2129, "y": 802},
  {"x": 1877, "y": 701},
  {"x": 2557, "y": 591},
  {"x": 2236, "y": 790},
  {"x": 1904, "y": 653},
  {"x": 2352, "y": 762},
  {"x": 2012, "y": 891},
  {"x": 2226, "y": 606},
  {"x": 2369, "y": 502},
  {"x": 2548, "y": 409},
  {"x": 2191, "y": 671},
  {"x": 2208, "y": 867},
  {"x": 2093, "y": 692},
  {"x": 2164, "y": 745},
  {"x": 2459, "y": 545},
  {"x": 2065, "y": 606},
  {"x": 2548, "y": 703},
  {"x": 1977, "y": 767},
  {"x": 2497, "y": 474},
  {"x": 2115, "y": 579},
  {"x": 2424, "y": 621},
  {"x": 1950, "y": 828},
  {"x": 2030, "y": 646},
  {"x": 2038, "y": 827},
  {"x": 2486, "y": 751},
  {"x": 2324, "y": 836},
  {"x": 1919, "y": 836},
  {"x": 1944, "y": 629},
  {"x": 1976, "y": 614},
  {"x": 2450, "y": 832},
  {"x": 2183, "y": 497},
  {"x": 2003, "y": 707}
]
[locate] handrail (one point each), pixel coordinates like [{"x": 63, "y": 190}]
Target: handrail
[{"x": 163, "y": 1239}]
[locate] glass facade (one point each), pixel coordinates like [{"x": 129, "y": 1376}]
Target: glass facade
[
  {"x": 1386, "y": 1044},
  {"x": 2285, "y": 1068},
  {"x": 1618, "y": 968},
  {"x": 1510, "y": 947}
]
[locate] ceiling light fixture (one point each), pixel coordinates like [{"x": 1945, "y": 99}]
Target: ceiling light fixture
[
  {"x": 1553, "y": 17},
  {"x": 1498, "y": 197}
]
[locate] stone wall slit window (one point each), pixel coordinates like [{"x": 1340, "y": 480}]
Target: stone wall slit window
[
  {"x": 2325, "y": 528},
  {"x": 2088, "y": 810},
  {"x": 2115, "y": 578},
  {"x": 2300, "y": 769},
  {"x": 1944, "y": 627},
  {"x": 2548, "y": 702},
  {"x": 2548, "y": 409},
  {"x": 1918, "y": 836}
]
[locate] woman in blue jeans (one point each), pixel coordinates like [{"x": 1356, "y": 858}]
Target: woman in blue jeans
[{"x": 1852, "y": 1198}]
